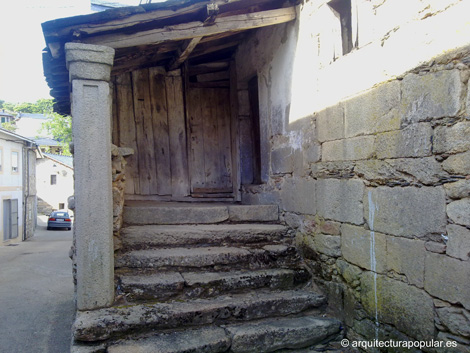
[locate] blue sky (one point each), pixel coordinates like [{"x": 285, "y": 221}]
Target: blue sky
[{"x": 21, "y": 44}]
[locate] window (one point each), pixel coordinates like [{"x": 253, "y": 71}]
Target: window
[
  {"x": 342, "y": 10},
  {"x": 14, "y": 161},
  {"x": 1, "y": 160},
  {"x": 53, "y": 179}
]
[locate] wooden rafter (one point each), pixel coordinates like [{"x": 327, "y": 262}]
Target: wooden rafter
[
  {"x": 184, "y": 53},
  {"x": 196, "y": 29}
]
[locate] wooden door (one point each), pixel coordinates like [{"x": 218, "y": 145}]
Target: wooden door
[
  {"x": 149, "y": 117},
  {"x": 210, "y": 148}
]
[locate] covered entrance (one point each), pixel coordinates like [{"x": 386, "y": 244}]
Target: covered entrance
[{"x": 174, "y": 90}]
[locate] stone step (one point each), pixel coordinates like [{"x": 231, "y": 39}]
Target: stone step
[
  {"x": 165, "y": 285},
  {"x": 148, "y": 212},
  {"x": 263, "y": 336},
  {"x": 209, "y": 257},
  {"x": 102, "y": 324},
  {"x": 148, "y": 236}
]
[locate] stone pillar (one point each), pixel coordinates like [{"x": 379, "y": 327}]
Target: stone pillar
[{"x": 89, "y": 73}]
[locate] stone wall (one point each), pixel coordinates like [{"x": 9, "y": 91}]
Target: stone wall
[
  {"x": 377, "y": 184},
  {"x": 118, "y": 158}
]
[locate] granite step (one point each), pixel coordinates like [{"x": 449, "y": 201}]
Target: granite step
[
  {"x": 263, "y": 336},
  {"x": 148, "y": 212},
  {"x": 166, "y": 285},
  {"x": 267, "y": 256},
  {"x": 114, "y": 322},
  {"x": 149, "y": 236}
]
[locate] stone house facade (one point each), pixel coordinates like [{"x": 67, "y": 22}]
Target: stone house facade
[
  {"x": 17, "y": 187},
  {"x": 351, "y": 116},
  {"x": 54, "y": 182}
]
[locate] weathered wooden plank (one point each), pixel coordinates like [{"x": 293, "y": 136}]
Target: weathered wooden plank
[
  {"x": 220, "y": 84},
  {"x": 225, "y": 142},
  {"x": 161, "y": 130},
  {"x": 177, "y": 129},
  {"x": 196, "y": 139},
  {"x": 236, "y": 174},
  {"x": 127, "y": 133},
  {"x": 211, "y": 138},
  {"x": 196, "y": 29},
  {"x": 207, "y": 68},
  {"x": 213, "y": 76},
  {"x": 93, "y": 27},
  {"x": 144, "y": 132},
  {"x": 115, "y": 118},
  {"x": 184, "y": 53}
]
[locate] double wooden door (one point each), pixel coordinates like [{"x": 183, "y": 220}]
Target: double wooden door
[{"x": 181, "y": 135}]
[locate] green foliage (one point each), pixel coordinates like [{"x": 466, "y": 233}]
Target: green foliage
[
  {"x": 9, "y": 126},
  {"x": 42, "y": 106},
  {"x": 60, "y": 127}
]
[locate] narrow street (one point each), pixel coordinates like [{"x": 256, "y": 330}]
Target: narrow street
[{"x": 36, "y": 293}]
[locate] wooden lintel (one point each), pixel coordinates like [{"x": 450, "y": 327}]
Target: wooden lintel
[
  {"x": 184, "y": 53},
  {"x": 196, "y": 29}
]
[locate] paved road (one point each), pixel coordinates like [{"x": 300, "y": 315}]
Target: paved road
[{"x": 36, "y": 294}]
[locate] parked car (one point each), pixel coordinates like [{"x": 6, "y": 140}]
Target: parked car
[{"x": 59, "y": 219}]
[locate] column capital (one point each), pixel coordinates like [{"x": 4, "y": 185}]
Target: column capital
[{"x": 88, "y": 61}]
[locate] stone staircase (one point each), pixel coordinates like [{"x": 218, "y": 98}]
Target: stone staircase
[{"x": 207, "y": 278}]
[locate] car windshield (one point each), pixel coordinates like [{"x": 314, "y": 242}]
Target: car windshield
[{"x": 60, "y": 214}]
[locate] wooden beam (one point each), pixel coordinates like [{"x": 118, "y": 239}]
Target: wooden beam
[
  {"x": 196, "y": 29},
  {"x": 184, "y": 53},
  {"x": 124, "y": 18}
]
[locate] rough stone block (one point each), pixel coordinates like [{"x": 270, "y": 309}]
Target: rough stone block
[
  {"x": 425, "y": 170},
  {"x": 458, "y": 190},
  {"x": 352, "y": 149},
  {"x": 253, "y": 213},
  {"x": 364, "y": 248},
  {"x": 282, "y": 160},
  {"x": 407, "y": 211},
  {"x": 340, "y": 200},
  {"x": 447, "y": 278},
  {"x": 458, "y": 164},
  {"x": 433, "y": 95},
  {"x": 406, "y": 256},
  {"x": 438, "y": 248},
  {"x": 208, "y": 340},
  {"x": 374, "y": 111},
  {"x": 298, "y": 195},
  {"x": 330, "y": 227},
  {"x": 459, "y": 211},
  {"x": 406, "y": 307},
  {"x": 330, "y": 123},
  {"x": 328, "y": 244},
  {"x": 412, "y": 141},
  {"x": 276, "y": 334},
  {"x": 349, "y": 272},
  {"x": 452, "y": 139},
  {"x": 457, "y": 320},
  {"x": 458, "y": 245},
  {"x": 454, "y": 344}
]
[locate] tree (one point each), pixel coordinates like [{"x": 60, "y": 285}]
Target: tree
[
  {"x": 9, "y": 126},
  {"x": 60, "y": 127}
]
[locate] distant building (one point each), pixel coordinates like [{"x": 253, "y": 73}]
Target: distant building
[
  {"x": 17, "y": 187},
  {"x": 54, "y": 182},
  {"x": 6, "y": 117},
  {"x": 30, "y": 125}
]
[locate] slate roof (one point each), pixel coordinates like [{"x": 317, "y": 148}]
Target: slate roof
[
  {"x": 45, "y": 141},
  {"x": 65, "y": 160}
]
